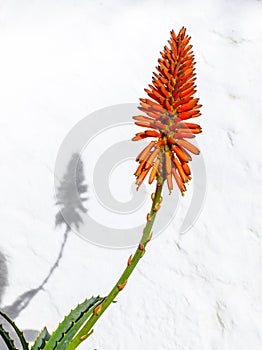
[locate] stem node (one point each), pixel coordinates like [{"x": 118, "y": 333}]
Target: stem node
[
  {"x": 156, "y": 207},
  {"x": 141, "y": 246},
  {"x": 122, "y": 286},
  {"x": 97, "y": 310},
  {"x": 129, "y": 260},
  {"x": 84, "y": 337}
]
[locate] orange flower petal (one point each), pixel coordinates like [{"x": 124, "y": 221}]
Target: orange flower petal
[
  {"x": 184, "y": 135},
  {"x": 180, "y": 170},
  {"x": 186, "y": 168},
  {"x": 146, "y": 151},
  {"x": 168, "y": 162},
  {"x": 189, "y": 114},
  {"x": 151, "y": 158},
  {"x": 169, "y": 182},
  {"x": 187, "y": 145},
  {"x": 181, "y": 154},
  {"x": 154, "y": 171},
  {"x": 141, "y": 178},
  {"x": 179, "y": 182},
  {"x": 188, "y": 125},
  {"x": 140, "y": 168},
  {"x": 189, "y": 105},
  {"x": 190, "y": 131}
]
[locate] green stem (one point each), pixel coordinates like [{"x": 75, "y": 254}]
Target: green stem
[{"x": 127, "y": 272}]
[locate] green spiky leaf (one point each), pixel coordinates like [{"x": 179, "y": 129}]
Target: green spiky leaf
[
  {"x": 71, "y": 324},
  {"x": 20, "y": 334},
  {"x": 41, "y": 340},
  {"x": 7, "y": 339}
]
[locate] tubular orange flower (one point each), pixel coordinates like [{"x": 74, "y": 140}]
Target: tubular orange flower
[{"x": 170, "y": 105}]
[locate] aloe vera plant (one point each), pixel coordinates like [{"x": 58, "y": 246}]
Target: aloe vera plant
[{"x": 165, "y": 159}]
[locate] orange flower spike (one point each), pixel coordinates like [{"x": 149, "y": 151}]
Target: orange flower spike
[{"x": 171, "y": 102}]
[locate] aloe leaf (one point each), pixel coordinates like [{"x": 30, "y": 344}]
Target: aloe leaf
[
  {"x": 41, "y": 340},
  {"x": 17, "y": 330},
  {"x": 67, "y": 337},
  {"x": 71, "y": 324},
  {"x": 7, "y": 339}
]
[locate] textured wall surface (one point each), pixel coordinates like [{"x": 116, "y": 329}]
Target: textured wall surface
[{"x": 60, "y": 61}]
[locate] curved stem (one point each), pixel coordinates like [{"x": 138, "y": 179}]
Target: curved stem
[
  {"x": 60, "y": 255},
  {"x": 132, "y": 262}
]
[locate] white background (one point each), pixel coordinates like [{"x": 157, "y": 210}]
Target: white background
[{"x": 61, "y": 60}]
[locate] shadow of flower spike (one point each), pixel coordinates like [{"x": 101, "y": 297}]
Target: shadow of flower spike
[{"x": 69, "y": 196}]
